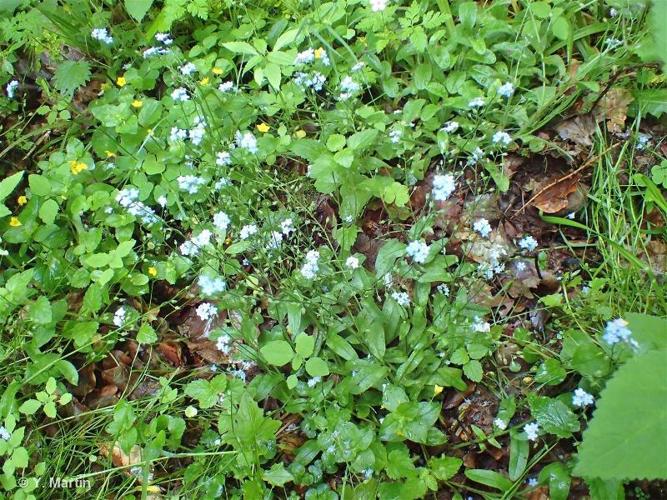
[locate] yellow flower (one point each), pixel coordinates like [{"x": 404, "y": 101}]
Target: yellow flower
[
  {"x": 120, "y": 81},
  {"x": 217, "y": 71},
  {"x": 263, "y": 128},
  {"x": 300, "y": 133},
  {"x": 319, "y": 53},
  {"x": 14, "y": 222},
  {"x": 152, "y": 271},
  {"x": 204, "y": 81},
  {"x": 437, "y": 389},
  {"x": 76, "y": 167},
  {"x": 22, "y": 200},
  {"x": 137, "y": 103}
]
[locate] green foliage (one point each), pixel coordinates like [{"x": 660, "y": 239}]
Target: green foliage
[
  {"x": 626, "y": 438},
  {"x": 70, "y": 75}
]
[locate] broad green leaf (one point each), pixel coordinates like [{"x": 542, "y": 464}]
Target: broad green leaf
[
  {"x": 137, "y": 8},
  {"x": 387, "y": 256},
  {"x": 272, "y": 73},
  {"x": 277, "y": 352},
  {"x": 70, "y": 75},
  {"x": 473, "y": 370},
  {"x": 240, "y": 48},
  {"x": 39, "y": 185},
  {"x": 8, "y": 184},
  {"x": 649, "y": 331},
  {"x": 317, "y": 367},
  {"x": 286, "y": 38},
  {"x": 30, "y": 406},
  {"x": 48, "y": 211},
  {"x": 40, "y": 311},
  {"x": 304, "y": 344},
  {"x": 277, "y": 475},
  {"x": 146, "y": 334},
  {"x": 627, "y": 436},
  {"x": 557, "y": 477},
  {"x": 444, "y": 468},
  {"x": 553, "y": 416}
]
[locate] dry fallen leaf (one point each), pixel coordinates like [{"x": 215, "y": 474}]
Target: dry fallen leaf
[
  {"x": 613, "y": 107},
  {"x": 578, "y": 130},
  {"x": 552, "y": 194}
]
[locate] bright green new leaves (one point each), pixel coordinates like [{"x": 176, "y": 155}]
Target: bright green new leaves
[{"x": 627, "y": 437}]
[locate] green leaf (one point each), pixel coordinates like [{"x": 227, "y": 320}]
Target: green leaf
[
  {"x": 317, "y": 367},
  {"x": 8, "y": 184},
  {"x": 48, "y": 211},
  {"x": 304, "y": 344},
  {"x": 445, "y": 468},
  {"x": 335, "y": 142},
  {"x": 286, "y": 38},
  {"x": 627, "y": 436},
  {"x": 68, "y": 370},
  {"x": 39, "y": 185},
  {"x": 40, "y": 311},
  {"x": 557, "y": 477},
  {"x": 519, "y": 452},
  {"x": 649, "y": 331},
  {"x": 553, "y": 416},
  {"x": 423, "y": 74},
  {"x": 70, "y": 75},
  {"x": 277, "y": 352},
  {"x": 240, "y": 48},
  {"x": 389, "y": 252},
  {"x": 277, "y": 475},
  {"x": 138, "y": 8},
  {"x": 30, "y": 406},
  {"x": 146, "y": 334},
  {"x": 561, "y": 28},
  {"x": 489, "y": 478},
  {"x": 273, "y": 75},
  {"x": 473, "y": 370}
]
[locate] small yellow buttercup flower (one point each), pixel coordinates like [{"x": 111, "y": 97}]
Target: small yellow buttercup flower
[
  {"x": 152, "y": 271},
  {"x": 137, "y": 103},
  {"x": 76, "y": 167},
  {"x": 22, "y": 200},
  {"x": 14, "y": 222},
  {"x": 120, "y": 81},
  {"x": 263, "y": 128},
  {"x": 300, "y": 133},
  {"x": 437, "y": 389},
  {"x": 319, "y": 53},
  {"x": 217, "y": 71},
  {"x": 204, "y": 81}
]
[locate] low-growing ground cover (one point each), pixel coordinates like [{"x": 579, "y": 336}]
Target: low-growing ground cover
[{"x": 347, "y": 249}]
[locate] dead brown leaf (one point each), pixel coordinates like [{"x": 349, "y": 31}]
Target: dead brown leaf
[
  {"x": 613, "y": 107},
  {"x": 552, "y": 194},
  {"x": 579, "y": 130}
]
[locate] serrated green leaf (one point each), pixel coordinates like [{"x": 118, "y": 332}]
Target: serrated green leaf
[
  {"x": 70, "y": 75},
  {"x": 627, "y": 436}
]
